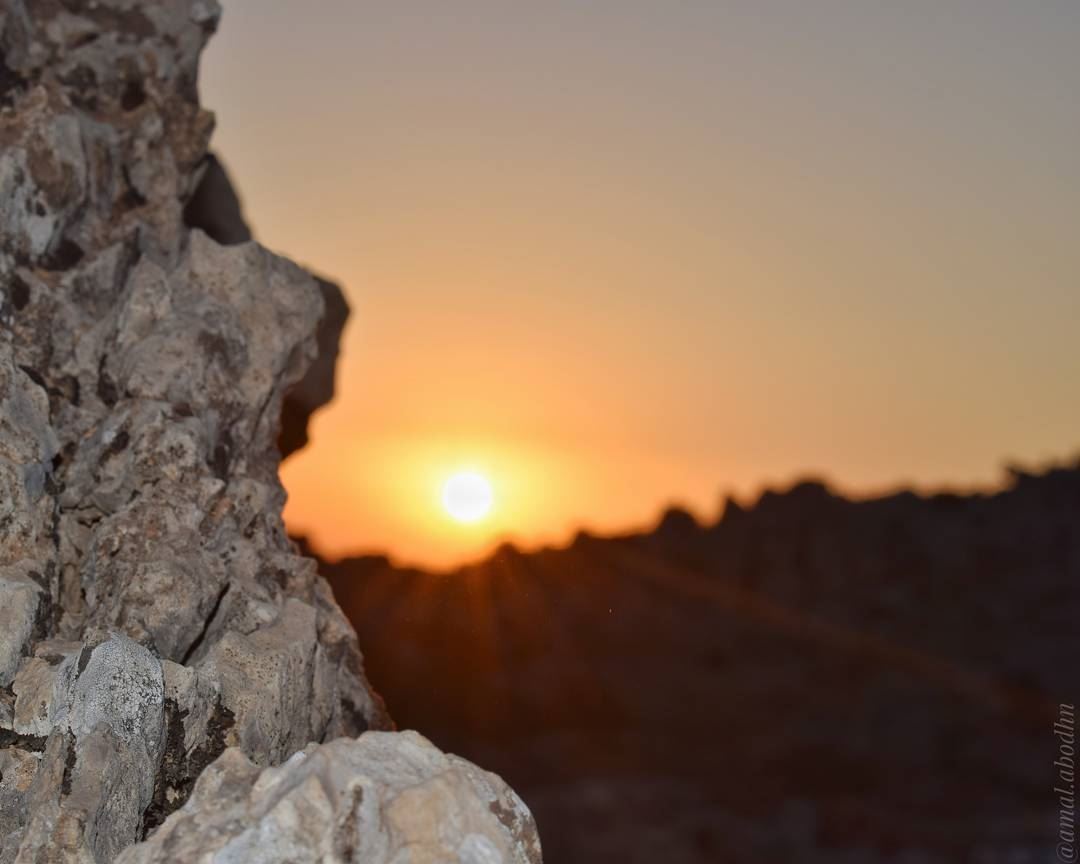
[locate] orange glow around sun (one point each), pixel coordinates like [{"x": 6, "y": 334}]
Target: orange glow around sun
[{"x": 443, "y": 502}]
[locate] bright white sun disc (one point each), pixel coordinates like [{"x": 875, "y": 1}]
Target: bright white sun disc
[{"x": 467, "y": 497}]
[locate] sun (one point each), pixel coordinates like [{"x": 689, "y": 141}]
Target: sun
[{"x": 467, "y": 496}]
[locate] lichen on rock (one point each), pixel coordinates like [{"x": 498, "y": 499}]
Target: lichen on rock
[{"x": 154, "y": 615}]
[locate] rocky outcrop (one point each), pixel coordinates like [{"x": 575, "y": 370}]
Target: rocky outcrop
[
  {"x": 215, "y": 208},
  {"x": 153, "y": 613},
  {"x": 383, "y": 797}
]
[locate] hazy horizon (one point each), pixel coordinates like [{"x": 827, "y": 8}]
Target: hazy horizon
[
  {"x": 623, "y": 256},
  {"x": 747, "y": 499}
]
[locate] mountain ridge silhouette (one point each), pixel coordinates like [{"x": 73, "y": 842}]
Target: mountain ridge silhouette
[{"x": 805, "y": 677}]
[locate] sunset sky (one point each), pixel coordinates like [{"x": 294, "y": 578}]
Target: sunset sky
[{"x": 612, "y": 255}]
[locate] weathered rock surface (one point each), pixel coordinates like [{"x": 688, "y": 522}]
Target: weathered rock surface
[
  {"x": 153, "y": 611},
  {"x": 215, "y": 208},
  {"x": 382, "y": 797}
]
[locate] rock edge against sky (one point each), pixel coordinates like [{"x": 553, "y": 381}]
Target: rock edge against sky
[{"x": 162, "y": 643}]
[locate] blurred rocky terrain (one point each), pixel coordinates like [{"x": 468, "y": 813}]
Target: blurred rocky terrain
[
  {"x": 172, "y": 670},
  {"x": 809, "y": 679}
]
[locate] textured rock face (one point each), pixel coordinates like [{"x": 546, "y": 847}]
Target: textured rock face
[
  {"x": 316, "y": 388},
  {"x": 215, "y": 208},
  {"x": 152, "y": 610},
  {"x": 383, "y": 797}
]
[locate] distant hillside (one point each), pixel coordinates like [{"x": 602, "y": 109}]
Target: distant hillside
[{"x": 808, "y": 679}]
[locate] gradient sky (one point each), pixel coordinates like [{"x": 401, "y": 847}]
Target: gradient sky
[{"x": 620, "y": 254}]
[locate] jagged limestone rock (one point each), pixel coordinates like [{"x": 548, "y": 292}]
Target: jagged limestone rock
[
  {"x": 215, "y": 208},
  {"x": 153, "y": 612},
  {"x": 105, "y": 725},
  {"x": 383, "y": 797}
]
